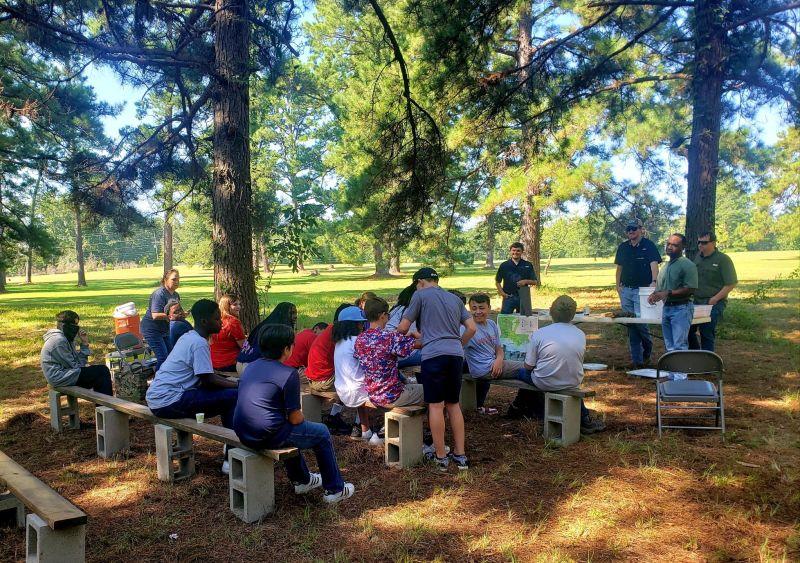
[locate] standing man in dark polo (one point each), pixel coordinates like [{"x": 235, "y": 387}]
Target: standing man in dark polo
[
  {"x": 511, "y": 275},
  {"x": 637, "y": 262},
  {"x": 716, "y": 279}
]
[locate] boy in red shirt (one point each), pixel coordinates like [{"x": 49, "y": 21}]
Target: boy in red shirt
[{"x": 302, "y": 345}]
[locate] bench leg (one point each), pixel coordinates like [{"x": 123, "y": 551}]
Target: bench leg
[
  {"x": 43, "y": 544},
  {"x": 562, "y": 418},
  {"x": 10, "y": 502},
  {"x": 469, "y": 395},
  {"x": 113, "y": 434},
  {"x": 311, "y": 405},
  {"x": 403, "y": 444},
  {"x": 173, "y": 445},
  {"x": 251, "y": 485},
  {"x": 58, "y": 411}
]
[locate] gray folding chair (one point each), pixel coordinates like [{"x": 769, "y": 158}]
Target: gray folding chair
[
  {"x": 675, "y": 394},
  {"x": 130, "y": 346}
]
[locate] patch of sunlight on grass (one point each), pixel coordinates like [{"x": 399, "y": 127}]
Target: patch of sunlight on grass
[
  {"x": 412, "y": 525},
  {"x": 553, "y": 556},
  {"x": 481, "y": 543},
  {"x": 586, "y": 525}
]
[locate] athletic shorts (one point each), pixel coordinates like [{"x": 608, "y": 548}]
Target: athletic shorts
[{"x": 441, "y": 378}]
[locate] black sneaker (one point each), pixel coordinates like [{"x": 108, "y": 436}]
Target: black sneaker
[
  {"x": 591, "y": 425},
  {"x": 460, "y": 461},
  {"x": 336, "y": 425},
  {"x": 355, "y": 434}
]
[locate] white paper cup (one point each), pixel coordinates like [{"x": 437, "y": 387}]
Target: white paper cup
[{"x": 200, "y": 417}]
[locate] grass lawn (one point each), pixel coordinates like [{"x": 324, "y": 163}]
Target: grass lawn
[{"x": 622, "y": 494}]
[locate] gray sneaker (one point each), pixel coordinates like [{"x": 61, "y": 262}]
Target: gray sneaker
[
  {"x": 591, "y": 425},
  {"x": 441, "y": 463}
]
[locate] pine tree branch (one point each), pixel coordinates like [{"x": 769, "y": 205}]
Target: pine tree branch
[{"x": 761, "y": 15}]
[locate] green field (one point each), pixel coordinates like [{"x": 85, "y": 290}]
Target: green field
[{"x": 622, "y": 494}]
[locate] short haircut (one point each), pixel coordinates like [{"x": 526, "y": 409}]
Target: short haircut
[
  {"x": 170, "y": 304},
  {"x": 67, "y": 317},
  {"x": 517, "y": 245},
  {"x": 563, "y": 309},
  {"x": 710, "y": 234},
  {"x": 458, "y": 294},
  {"x": 374, "y": 308},
  {"x": 363, "y": 298},
  {"x": 273, "y": 339},
  {"x": 321, "y": 326},
  {"x": 203, "y": 310},
  {"x": 680, "y": 236},
  {"x": 480, "y": 298}
]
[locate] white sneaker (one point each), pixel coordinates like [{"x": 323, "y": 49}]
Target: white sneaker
[
  {"x": 347, "y": 492},
  {"x": 314, "y": 481},
  {"x": 226, "y": 468},
  {"x": 366, "y": 436},
  {"x": 430, "y": 450},
  {"x": 375, "y": 440}
]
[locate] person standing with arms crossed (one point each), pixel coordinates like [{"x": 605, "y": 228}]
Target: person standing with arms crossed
[
  {"x": 716, "y": 278},
  {"x": 439, "y": 316},
  {"x": 512, "y": 274},
  {"x": 637, "y": 263}
]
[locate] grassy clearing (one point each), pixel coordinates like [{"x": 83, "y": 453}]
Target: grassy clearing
[{"x": 619, "y": 495}]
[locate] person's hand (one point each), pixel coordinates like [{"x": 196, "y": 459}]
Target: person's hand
[
  {"x": 418, "y": 343},
  {"x": 502, "y": 294},
  {"x": 657, "y": 296},
  {"x": 415, "y": 334},
  {"x": 652, "y": 284},
  {"x": 713, "y": 301},
  {"x": 497, "y": 368},
  {"x": 521, "y": 283},
  {"x": 84, "y": 337}
]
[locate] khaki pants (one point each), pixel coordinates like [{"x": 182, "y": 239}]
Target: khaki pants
[
  {"x": 412, "y": 395},
  {"x": 322, "y": 385},
  {"x": 510, "y": 371}
]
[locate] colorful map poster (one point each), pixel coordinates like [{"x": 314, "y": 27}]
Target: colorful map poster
[{"x": 515, "y": 331}]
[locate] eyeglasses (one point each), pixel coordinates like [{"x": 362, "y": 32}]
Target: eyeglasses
[
  {"x": 701, "y": 242},
  {"x": 631, "y": 229}
]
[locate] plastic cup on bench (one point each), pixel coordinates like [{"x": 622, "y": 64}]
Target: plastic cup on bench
[{"x": 200, "y": 417}]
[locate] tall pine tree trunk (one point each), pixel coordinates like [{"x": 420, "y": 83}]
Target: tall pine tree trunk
[
  {"x": 489, "y": 241},
  {"x": 262, "y": 250},
  {"x": 79, "y": 246},
  {"x": 31, "y": 219},
  {"x": 232, "y": 190},
  {"x": 707, "y": 81},
  {"x": 167, "y": 241},
  {"x": 2, "y": 258},
  {"x": 531, "y": 229},
  {"x": 381, "y": 267}
]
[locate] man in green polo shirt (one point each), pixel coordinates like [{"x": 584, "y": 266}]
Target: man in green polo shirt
[
  {"x": 676, "y": 283},
  {"x": 716, "y": 277}
]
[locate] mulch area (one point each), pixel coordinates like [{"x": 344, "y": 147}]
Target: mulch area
[{"x": 621, "y": 494}]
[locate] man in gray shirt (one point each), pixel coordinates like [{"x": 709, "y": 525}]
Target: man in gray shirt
[{"x": 439, "y": 316}]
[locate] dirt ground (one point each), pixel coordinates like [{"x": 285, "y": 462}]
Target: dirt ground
[{"x": 619, "y": 495}]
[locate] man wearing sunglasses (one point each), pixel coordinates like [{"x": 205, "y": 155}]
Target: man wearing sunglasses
[
  {"x": 716, "y": 278},
  {"x": 637, "y": 262}
]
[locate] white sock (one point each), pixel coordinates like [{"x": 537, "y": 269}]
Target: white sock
[{"x": 336, "y": 409}]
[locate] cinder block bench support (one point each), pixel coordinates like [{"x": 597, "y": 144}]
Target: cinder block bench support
[
  {"x": 251, "y": 485},
  {"x": 113, "y": 434},
  {"x": 403, "y": 444},
  {"x": 58, "y": 411},
  {"x": 9, "y": 502},
  {"x": 562, "y": 418},
  {"x": 44, "y": 545},
  {"x": 173, "y": 445},
  {"x": 311, "y": 405},
  {"x": 469, "y": 395}
]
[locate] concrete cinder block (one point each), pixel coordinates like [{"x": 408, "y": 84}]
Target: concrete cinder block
[
  {"x": 562, "y": 418},
  {"x": 403, "y": 442},
  {"x": 10, "y": 502},
  {"x": 311, "y": 405},
  {"x": 174, "y": 453},
  {"x": 43, "y": 545},
  {"x": 469, "y": 395},
  {"x": 113, "y": 434},
  {"x": 58, "y": 411},
  {"x": 251, "y": 484}
]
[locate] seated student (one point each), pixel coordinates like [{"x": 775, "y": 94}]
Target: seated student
[
  {"x": 227, "y": 343},
  {"x": 268, "y": 416},
  {"x": 178, "y": 325},
  {"x": 377, "y": 350},
  {"x": 349, "y": 381},
  {"x": 363, "y": 299},
  {"x": 63, "y": 366},
  {"x": 186, "y": 384},
  {"x": 395, "y": 316},
  {"x": 554, "y": 358},
  {"x": 302, "y": 344},
  {"x": 484, "y": 354},
  {"x": 284, "y": 313}
]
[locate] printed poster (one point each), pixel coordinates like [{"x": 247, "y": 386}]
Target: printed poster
[{"x": 515, "y": 331}]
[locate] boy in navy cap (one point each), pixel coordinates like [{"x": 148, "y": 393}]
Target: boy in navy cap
[{"x": 439, "y": 316}]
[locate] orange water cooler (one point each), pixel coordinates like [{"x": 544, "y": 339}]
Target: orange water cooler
[{"x": 126, "y": 319}]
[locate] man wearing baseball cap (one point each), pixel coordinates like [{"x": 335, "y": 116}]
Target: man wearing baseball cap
[
  {"x": 637, "y": 263},
  {"x": 439, "y": 316}
]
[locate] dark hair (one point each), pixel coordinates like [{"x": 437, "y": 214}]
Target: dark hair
[
  {"x": 480, "y": 298},
  {"x": 280, "y": 315},
  {"x": 321, "y": 326},
  {"x": 517, "y": 245},
  {"x": 339, "y": 309},
  {"x": 374, "y": 308},
  {"x": 170, "y": 304},
  {"x": 710, "y": 234},
  {"x": 203, "y": 309},
  {"x": 458, "y": 294},
  {"x": 67, "y": 317},
  {"x": 342, "y": 330},
  {"x": 167, "y": 274},
  {"x": 273, "y": 339},
  {"x": 405, "y": 296},
  {"x": 680, "y": 236},
  {"x": 363, "y": 298}
]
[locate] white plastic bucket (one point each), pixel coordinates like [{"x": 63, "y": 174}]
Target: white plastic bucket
[
  {"x": 646, "y": 310},
  {"x": 125, "y": 310}
]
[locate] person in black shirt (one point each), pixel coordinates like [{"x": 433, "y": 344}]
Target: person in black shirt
[
  {"x": 637, "y": 262},
  {"x": 511, "y": 275}
]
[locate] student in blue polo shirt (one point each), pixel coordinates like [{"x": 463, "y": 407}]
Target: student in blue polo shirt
[
  {"x": 511, "y": 275},
  {"x": 637, "y": 263},
  {"x": 268, "y": 416}
]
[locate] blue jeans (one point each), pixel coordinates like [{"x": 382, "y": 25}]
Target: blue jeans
[
  {"x": 703, "y": 337},
  {"x": 640, "y": 342},
  {"x": 158, "y": 342},
  {"x": 510, "y": 305},
  {"x": 414, "y": 359},
  {"x": 211, "y": 402},
  {"x": 313, "y": 436},
  {"x": 675, "y": 323},
  {"x": 527, "y": 377}
]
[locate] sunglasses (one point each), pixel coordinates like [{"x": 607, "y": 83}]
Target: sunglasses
[
  {"x": 701, "y": 242},
  {"x": 631, "y": 229}
]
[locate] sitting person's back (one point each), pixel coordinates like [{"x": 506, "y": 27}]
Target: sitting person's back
[
  {"x": 555, "y": 353},
  {"x": 303, "y": 341}
]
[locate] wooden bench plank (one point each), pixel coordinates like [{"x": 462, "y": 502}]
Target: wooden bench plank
[
  {"x": 210, "y": 431},
  {"x": 517, "y": 384},
  {"x": 50, "y": 506},
  {"x": 332, "y": 396}
]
